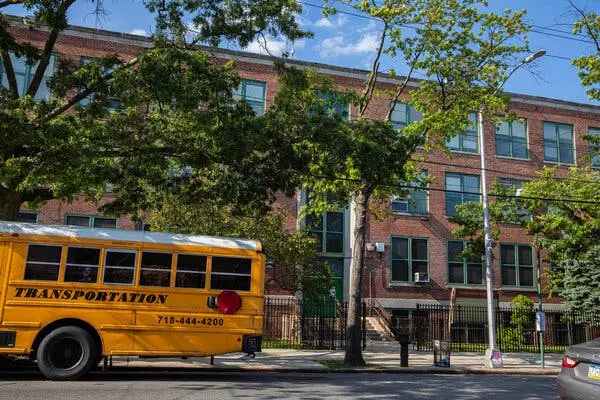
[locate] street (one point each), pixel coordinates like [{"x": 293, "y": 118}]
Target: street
[{"x": 256, "y": 385}]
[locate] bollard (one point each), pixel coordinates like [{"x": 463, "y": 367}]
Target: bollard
[{"x": 404, "y": 340}]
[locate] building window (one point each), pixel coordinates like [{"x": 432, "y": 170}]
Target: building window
[
  {"x": 24, "y": 75},
  {"x": 113, "y": 103},
  {"x": 460, "y": 188},
  {"x": 253, "y": 92},
  {"x": 29, "y": 216},
  {"x": 415, "y": 202},
  {"x": 558, "y": 142},
  {"x": 91, "y": 221},
  {"x": 516, "y": 264},
  {"x": 594, "y": 146},
  {"x": 334, "y": 105},
  {"x": 466, "y": 141},
  {"x": 463, "y": 271},
  {"x": 511, "y": 139},
  {"x": 328, "y": 229},
  {"x": 404, "y": 114},
  {"x": 409, "y": 256}
]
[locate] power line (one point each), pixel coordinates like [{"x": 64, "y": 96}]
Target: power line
[
  {"x": 501, "y": 172},
  {"x": 368, "y": 17},
  {"x": 501, "y": 195}
]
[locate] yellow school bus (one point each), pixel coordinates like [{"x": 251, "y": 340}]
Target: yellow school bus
[{"x": 70, "y": 296}]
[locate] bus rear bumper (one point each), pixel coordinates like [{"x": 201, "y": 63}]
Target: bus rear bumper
[{"x": 251, "y": 343}]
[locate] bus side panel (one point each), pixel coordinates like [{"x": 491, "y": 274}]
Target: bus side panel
[
  {"x": 185, "y": 325},
  {"x": 4, "y": 268}
]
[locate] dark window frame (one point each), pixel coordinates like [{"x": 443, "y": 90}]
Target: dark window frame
[
  {"x": 517, "y": 266},
  {"x": 557, "y": 144},
  {"x": 465, "y": 262},
  {"x": 512, "y": 139},
  {"x": 410, "y": 260}
]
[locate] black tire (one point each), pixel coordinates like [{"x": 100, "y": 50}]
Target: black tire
[{"x": 66, "y": 353}]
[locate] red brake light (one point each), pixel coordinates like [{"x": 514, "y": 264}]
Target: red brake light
[
  {"x": 229, "y": 301},
  {"x": 568, "y": 362}
]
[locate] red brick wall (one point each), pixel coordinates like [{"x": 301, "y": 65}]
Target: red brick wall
[{"x": 435, "y": 227}]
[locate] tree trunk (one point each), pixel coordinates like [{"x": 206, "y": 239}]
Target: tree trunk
[
  {"x": 354, "y": 329},
  {"x": 10, "y": 203}
]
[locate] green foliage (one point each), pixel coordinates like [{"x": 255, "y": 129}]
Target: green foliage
[
  {"x": 522, "y": 312},
  {"x": 582, "y": 281},
  {"x": 504, "y": 208},
  {"x": 177, "y": 113},
  {"x": 589, "y": 65},
  {"x": 510, "y": 337},
  {"x": 291, "y": 252}
]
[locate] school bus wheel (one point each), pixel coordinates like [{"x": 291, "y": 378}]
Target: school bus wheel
[{"x": 66, "y": 353}]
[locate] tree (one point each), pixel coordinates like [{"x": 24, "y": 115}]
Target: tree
[
  {"x": 562, "y": 215},
  {"x": 176, "y": 111},
  {"x": 291, "y": 252},
  {"x": 565, "y": 219},
  {"x": 588, "y": 65},
  {"x": 464, "y": 53}
]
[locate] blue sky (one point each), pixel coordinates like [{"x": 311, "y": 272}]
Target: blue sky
[{"x": 349, "y": 41}]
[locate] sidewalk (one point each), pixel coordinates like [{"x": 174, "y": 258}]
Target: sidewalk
[{"x": 381, "y": 357}]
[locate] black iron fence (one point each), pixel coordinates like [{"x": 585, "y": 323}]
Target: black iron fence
[
  {"x": 466, "y": 328},
  {"x": 295, "y": 324},
  {"x": 290, "y": 323}
]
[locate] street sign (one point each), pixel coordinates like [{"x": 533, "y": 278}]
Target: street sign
[{"x": 540, "y": 321}]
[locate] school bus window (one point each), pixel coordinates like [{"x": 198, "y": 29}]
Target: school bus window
[
  {"x": 82, "y": 264},
  {"x": 191, "y": 271},
  {"x": 119, "y": 266},
  {"x": 156, "y": 269},
  {"x": 43, "y": 262},
  {"x": 230, "y": 273}
]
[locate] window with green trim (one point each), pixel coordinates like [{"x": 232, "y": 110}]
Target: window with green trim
[
  {"x": 460, "y": 188},
  {"x": 409, "y": 256},
  {"x": 254, "y": 93},
  {"x": 415, "y": 202},
  {"x": 594, "y": 134},
  {"x": 24, "y": 75},
  {"x": 29, "y": 216},
  {"x": 463, "y": 271},
  {"x": 403, "y": 114},
  {"x": 91, "y": 221},
  {"x": 511, "y": 139},
  {"x": 113, "y": 102},
  {"x": 516, "y": 265},
  {"x": 558, "y": 142},
  {"x": 328, "y": 229},
  {"x": 468, "y": 140},
  {"x": 335, "y": 106}
]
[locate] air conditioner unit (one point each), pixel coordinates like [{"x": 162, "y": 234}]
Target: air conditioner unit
[{"x": 421, "y": 277}]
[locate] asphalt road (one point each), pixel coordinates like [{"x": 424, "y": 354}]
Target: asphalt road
[{"x": 275, "y": 386}]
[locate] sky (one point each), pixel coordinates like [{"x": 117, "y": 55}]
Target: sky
[{"x": 349, "y": 41}]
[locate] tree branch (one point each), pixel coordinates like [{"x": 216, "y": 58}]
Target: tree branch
[
  {"x": 10, "y": 73},
  {"x": 403, "y": 86},
  {"x": 587, "y": 26},
  {"x": 79, "y": 96},
  {"x": 9, "y": 3},
  {"x": 368, "y": 92},
  {"x": 48, "y": 48}
]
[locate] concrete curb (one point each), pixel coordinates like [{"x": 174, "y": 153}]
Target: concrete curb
[{"x": 358, "y": 370}]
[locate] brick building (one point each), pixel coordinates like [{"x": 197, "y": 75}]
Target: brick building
[{"x": 412, "y": 257}]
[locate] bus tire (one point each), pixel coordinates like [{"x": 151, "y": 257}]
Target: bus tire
[{"x": 66, "y": 353}]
